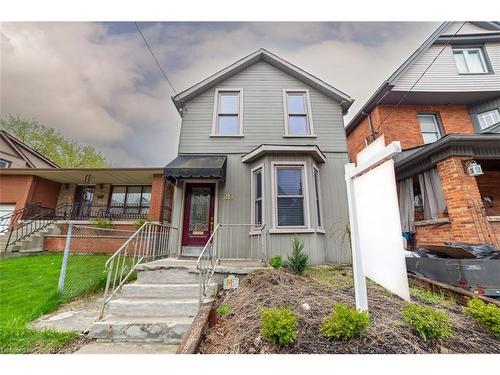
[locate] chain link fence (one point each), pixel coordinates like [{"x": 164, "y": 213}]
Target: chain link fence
[{"x": 86, "y": 250}]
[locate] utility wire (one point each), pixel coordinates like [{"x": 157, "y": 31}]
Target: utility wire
[
  {"x": 419, "y": 78},
  {"x": 154, "y": 57}
]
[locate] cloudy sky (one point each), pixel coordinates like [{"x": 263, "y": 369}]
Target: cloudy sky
[{"x": 98, "y": 84}]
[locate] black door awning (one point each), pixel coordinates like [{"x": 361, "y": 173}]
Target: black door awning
[{"x": 196, "y": 166}]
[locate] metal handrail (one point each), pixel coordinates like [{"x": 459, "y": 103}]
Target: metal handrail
[
  {"x": 151, "y": 241},
  {"x": 206, "y": 263},
  {"x": 7, "y": 220},
  {"x": 34, "y": 224}
]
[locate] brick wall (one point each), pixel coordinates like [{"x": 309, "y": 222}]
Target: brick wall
[
  {"x": 489, "y": 184},
  {"x": 55, "y": 244},
  {"x": 496, "y": 230},
  {"x": 434, "y": 234},
  {"x": 66, "y": 194},
  {"x": 21, "y": 190},
  {"x": 101, "y": 194},
  {"x": 44, "y": 191},
  {"x": 157, "y": 196},
  {"x": 403, "y": 125},
  {"x": 465, "y": 207}
]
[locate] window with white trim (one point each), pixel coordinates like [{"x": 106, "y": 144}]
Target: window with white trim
[
  {"x": 257, "y": 201},
  {"x": 4, "y": 163},
  {"x": 470, "y": 60},
  {"x": 317, "y": 197},
  {"x": 297, "y": 116},
  {"x": 227, "y": 115},
  {"x": 488, "y": 118},
  {"x": 289, "y": 200},
  {"x": 429, "y": 126}
]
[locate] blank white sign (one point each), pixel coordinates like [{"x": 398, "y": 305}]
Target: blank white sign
[{"x": 380, "y": 238}]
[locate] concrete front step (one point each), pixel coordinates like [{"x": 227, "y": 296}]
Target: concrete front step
[
  {"x": 164, "y": 290},
  {"x": 141, "y": 329},
  {"x": 153, "y": 307},
  {"x": 168, "y": 276}
]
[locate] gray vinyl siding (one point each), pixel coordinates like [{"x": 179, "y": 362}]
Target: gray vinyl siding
[
  {"x": 443, "y": 75},
  {"x": 331, "y": 246},
  {"x": 483, "y": 107},
  {"x": 263, "y": 116}
]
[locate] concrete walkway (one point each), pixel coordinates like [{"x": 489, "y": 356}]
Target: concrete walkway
[{"x": 127, "y": 348}]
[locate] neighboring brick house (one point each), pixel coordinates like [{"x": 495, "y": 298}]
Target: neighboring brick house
[
  {"x": 443, "y": 105},
  {"x": 32, "y": 187}
]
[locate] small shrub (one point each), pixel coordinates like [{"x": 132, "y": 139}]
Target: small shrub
[
  {"x": 276, "y": 262},
  {"x": 486, "y": 314},
  {"x": 427, "y": 322},
  {"x": 223, "y": 309},
  {"x": 298, "y": 259},
  {"x": 279, "y": 325},
  {"x": 345, "y": 322},
  {"x": 102, "y": 223},
  {"x": 139, "y": 223}
]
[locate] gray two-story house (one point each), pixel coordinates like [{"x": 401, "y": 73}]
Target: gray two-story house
[{"x": 261, "y": 158}]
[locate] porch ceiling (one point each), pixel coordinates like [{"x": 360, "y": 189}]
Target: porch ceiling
[{"x": 115, "y": 176}]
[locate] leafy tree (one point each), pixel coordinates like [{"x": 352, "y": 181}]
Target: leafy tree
[{"x": 53, "y": 145}]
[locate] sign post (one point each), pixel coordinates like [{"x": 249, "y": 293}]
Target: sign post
[{"x": 376, "y": 239}]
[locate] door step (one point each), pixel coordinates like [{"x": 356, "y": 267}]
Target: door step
[
  {"x": 168, "y": 330},
  {"x": 163, "y": 290}
]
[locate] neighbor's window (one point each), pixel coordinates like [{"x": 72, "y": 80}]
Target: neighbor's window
[
  {"x": 130, "y": 200},
  {"x": 470, "y": 60},
  {"x": 488, "y": 118},
  {"x": 228, "y": 120},
  {"x": 430, "y": 128},
  {"x": 297, "y": 117},
  {"x": 317, "y": 194},
  {"x": 4, "y": 163},
  {"x": 290, "y": 196},
  {"x": 257, "y": 197}
]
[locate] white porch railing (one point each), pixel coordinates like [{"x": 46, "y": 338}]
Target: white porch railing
[
  {"x": 243, "y": 241},
  {"x": 151, "y": 241}
]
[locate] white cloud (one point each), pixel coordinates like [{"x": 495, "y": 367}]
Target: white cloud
[{"x": 103, "y": 87}]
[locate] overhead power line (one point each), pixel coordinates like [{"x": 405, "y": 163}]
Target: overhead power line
[
  {"x": 419, "y": 78},
  {"x": 154, "y": 57}
]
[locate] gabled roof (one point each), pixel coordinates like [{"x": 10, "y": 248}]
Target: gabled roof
[
  {"x": 438, "y": 36},
  {"x": 25, "y": 152},
  {"x": 264, "y": 55}
]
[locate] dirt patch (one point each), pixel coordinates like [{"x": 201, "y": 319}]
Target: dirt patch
[{"x": 239, "y": 330}]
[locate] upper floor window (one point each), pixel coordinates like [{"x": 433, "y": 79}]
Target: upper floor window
[
  {"x": 289, "y": 199},
  {"x": 470, "y": 60},
  {"x": 4, "y": 163},
  {"x": 298, "y": 120},
  {"x": 227, "y": 113},
  {"x": 488, "y": 118},
  {"x": 430, "y": 127}
]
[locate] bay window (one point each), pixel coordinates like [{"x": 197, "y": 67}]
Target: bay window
[
  {"x": 317, "y": 197},
  {"x": 257, "y": 197},
  {"x": 289, "y": 200}
]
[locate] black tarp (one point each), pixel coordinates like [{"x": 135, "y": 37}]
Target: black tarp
[{"x": 196, "y": 166}]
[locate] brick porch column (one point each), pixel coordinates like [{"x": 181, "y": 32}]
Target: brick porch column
[
  {"x": 157, "y": 192},
  {"x": 463, "y": 200}
]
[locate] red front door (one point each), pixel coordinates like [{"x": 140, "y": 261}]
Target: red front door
[{"x": 198, "y": 217}]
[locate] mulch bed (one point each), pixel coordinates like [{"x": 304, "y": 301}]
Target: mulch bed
[{"x": 239, "y": 331}]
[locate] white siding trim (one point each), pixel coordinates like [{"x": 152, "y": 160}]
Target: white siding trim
[
  {"x": 252, "y": 196},
  {"x": 216, "y": 112},
  {"x": 311, "y": 134},
  {"x": 307, "y": 220}
]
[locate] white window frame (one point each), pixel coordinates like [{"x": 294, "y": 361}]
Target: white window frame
[
  {"x": 308, "y": 113},
  {"x": 497, "y": 110},
  {"x": 215, "y": 119},
  {"x": 262, "y": 198},
  {"x": 6, "y": 163},
  {"x": 317, "y": 199},
  {"x": 438, "y": 125},
  {"x": 464, "y": 52},
  {"x": 306, "y": 228}
]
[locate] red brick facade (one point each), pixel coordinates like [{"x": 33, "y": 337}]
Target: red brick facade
[
  {"x": 21, "y": 190},
  {"x": 434, "y": 234},
  {"x": 157, "y": 196},
  {"x": 401, "y": 124}
]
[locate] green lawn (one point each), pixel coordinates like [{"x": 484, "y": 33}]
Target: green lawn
[{"x": 28, "y": 289}]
